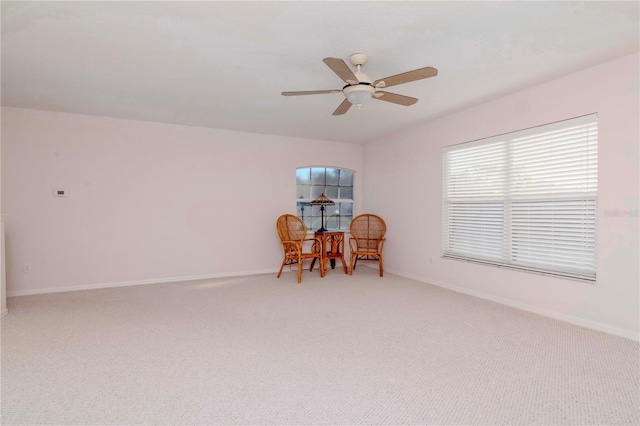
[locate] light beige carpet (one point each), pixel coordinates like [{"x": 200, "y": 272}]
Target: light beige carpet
[{"x": 340, "y": 350}]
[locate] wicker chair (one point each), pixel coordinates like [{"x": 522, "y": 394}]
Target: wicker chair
[
  {"x": 367, "y": 240},
  {"x": 293, "y": 235}
]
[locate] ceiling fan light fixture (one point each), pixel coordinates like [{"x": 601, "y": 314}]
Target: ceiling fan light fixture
[{"x": 359, "y": 94}]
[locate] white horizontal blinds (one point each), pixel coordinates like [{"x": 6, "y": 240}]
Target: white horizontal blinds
[
  {"x": 526, "y": 199},
  {"x": 555, "y": 163},
  {"x": 556, "y": 235},
  {"x": 554, "y": 183},
  {"x": 475, "y": 190},
  {"x": 476, "y": 229},
  {"x": 476, "y": 172}
]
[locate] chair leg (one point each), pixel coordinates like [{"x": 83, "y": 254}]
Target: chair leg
[
  {"x": 381, "y": 268},
  {"x": 281, "y": 267},
  {"x": 299, "y": 270},
  {"x": 351, "y": 264}
]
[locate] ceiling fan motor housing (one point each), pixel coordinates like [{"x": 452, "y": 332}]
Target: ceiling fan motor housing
[{"x": 359, "y": 93}]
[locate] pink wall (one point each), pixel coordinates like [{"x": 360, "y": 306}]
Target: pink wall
[
  {"x": 403, "y": 183},
  {"x": 147, "y": 201}
]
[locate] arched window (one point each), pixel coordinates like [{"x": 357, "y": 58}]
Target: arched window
[{"x": 336, "y": 184}]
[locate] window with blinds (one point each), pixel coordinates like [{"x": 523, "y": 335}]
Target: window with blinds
[{"x": 525, "y": 200}]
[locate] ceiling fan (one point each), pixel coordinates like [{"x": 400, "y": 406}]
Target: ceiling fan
[{"x": 359, "y": 88}]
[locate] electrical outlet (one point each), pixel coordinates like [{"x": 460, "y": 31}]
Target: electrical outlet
[{"x": 26, "y": 268}]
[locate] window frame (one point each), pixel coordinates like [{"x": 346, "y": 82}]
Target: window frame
[
  {"x": 312, "y": 222},
  {"x": 524, "y": 218}
]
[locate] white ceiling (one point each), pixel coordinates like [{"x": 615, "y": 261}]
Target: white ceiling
[{"x": 224, "y": 64}]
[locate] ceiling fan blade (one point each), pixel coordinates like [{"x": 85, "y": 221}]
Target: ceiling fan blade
[
  {"x": 310, "y": 92},
  {"x": 395, "y": 98},
  {"x": 342, "y": 108},
  {"x": 342, "y": 69},
  {"x": 407, "y": 77}
]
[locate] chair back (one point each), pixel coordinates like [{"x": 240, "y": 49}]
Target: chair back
[
  {"x": 368, "y": 230},
  {"x": 291, "y": 228}
]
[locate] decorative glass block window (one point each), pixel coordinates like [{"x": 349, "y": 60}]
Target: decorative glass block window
[
  {"x": 525, "y": 200},
  {"x": 336, "y": 184}
]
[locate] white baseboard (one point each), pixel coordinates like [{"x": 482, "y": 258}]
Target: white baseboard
[
  {"x": 594, "y": 325},
  {"x": 137, "y": 282}
]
